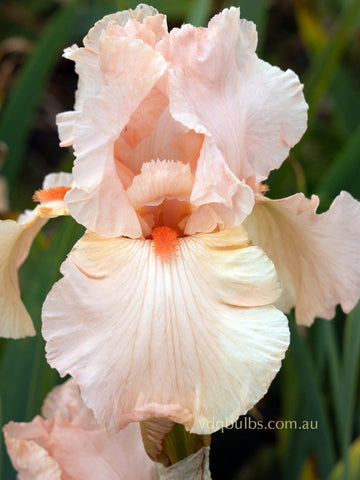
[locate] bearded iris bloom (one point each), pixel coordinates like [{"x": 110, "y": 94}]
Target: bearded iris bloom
[{"x": 165, "y": 308}]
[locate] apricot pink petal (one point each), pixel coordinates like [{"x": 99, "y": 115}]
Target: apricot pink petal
[
  {"x": 215, "y": 215},
  {"x": 254, "y": 112},
  {"x": 160, "y": 144},
  {"x": 140, "y": 13},
  {"x": 316, "y": 256},
  {"x": 97, "y": 128},
  {"x": 195, "y": 338},
  {"x": 69, "y": 445},
  {"x": 29, "y": 459}
]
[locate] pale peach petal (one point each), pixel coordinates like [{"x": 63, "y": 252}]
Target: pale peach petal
[
  {"x": 316, "y": 256},
  {"x": 197, "y": 331},
  {"x": 159, "y": 180},
  {"x": 70, "y": 445},
  {"x": 124, "y": 57},
  {"x": 215, "y": 215},
  {"x": 151, "y": 30},
  {"x": 30, "y": 459},
  {"x": 107, "y": 114},
  {"x": 214, "y": 181},
  {"x": 65, "y": 122},
  {"x": 142, "y": 121},
  {"x": 253, "y": 112},
  {"x": 140, "y": 14},
  {"x": 106, "y": 208},
  {"x": 160, "y": 144},
  {"x": 90, "y": 79}
]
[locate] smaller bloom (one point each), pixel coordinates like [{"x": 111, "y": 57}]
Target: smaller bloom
[
  {"x": 16, "y": 238},
  {"x": 68, "y": 444}
]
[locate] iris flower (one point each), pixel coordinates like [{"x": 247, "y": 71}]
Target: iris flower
[{"x": 165, "y": 308}]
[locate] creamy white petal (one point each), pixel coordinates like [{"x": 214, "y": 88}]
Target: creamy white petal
[
  {"x": 16, "y": 238},
  {"x": 139, "y": 333},
  {"x": 317, "y": 256},
  {"x": 254, "y": 112},
  {"x": 15, "y": 243},
  {"x": 59, "y": 179},
  {"x": 65, "y": 122}
]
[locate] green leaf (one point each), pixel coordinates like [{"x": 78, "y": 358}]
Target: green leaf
[
  {"x": 344, "y": 172},
  {"x": 200, "y": 13},
  {"x": 311, "y": 393},
  {"x": 354, "y": 471},
  {"x": 19, "y": 108},
  {"x": 325, "y": 63}
]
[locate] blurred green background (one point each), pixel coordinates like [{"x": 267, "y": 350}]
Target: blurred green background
[{"x": 319, "y": 381}]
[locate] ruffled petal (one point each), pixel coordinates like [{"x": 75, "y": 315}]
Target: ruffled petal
[
  {"x": 254, "y": 112},
  {"x": 30, "y": 459},
  {"x": 316, "y": 256},
  {"x": 95, "y": 133},
  {"x": 215, "y": 215},
  {"x": 140, "y": 14},
  {"x": 141, "y": 335},
  {"x": 69, "y": 445},
  {"x": 159, "y": 180},
  {"x": 106, "y": 208}
]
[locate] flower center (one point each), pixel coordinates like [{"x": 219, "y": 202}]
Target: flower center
[{"x": 165, "y": 242}]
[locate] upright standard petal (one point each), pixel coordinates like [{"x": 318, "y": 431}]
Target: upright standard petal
[
  {"x": 99, "y": 189},
  {"x": 194, "y": 338},
  {"x": 69, "y": 445},
  {"x": 316, "y": 256},
  {"x": 253, "y": 111}
]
